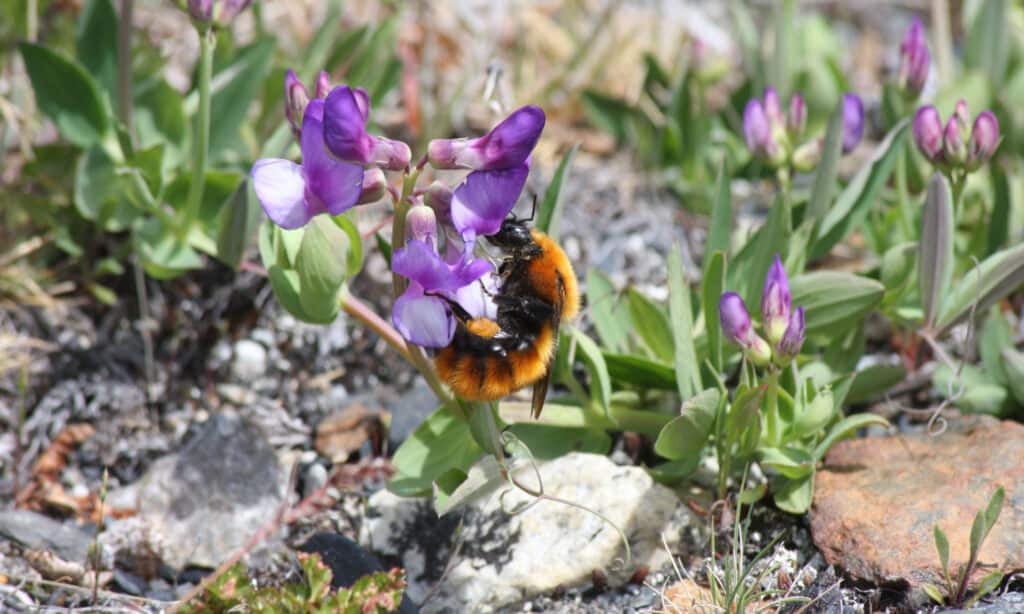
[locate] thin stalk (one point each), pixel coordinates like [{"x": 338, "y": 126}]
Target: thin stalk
[
  {"x": 201, "y": 139},
  {"x": 771, "y": 412},
  {"x": 124, "y": 66},
  {"x": 32, "y": 20},
  {"x": 943, "y": 34},
  {"x": 144, "y": 324},
  {"x": 360, "y": 311},
  {"x": 906, "y": 216}
]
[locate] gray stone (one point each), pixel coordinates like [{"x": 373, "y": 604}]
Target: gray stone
[
  {"x": 250, "y": 360},
  {"x": 204, "y": 502},
  {"x": 37, "y": 532},
  {"x": 506, "y": 559}
]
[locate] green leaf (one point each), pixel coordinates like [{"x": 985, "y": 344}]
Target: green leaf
[
  {"x": 942, "y": 547},
  {"x": 999, "y": 221},
  {"x": 988, "y": 519},
  {"x": 548, "y": 442},
  {"x": 66, "y": 94},
  {"x": 321, "y": 267},
  {"x": 287, "y": 290},
  {"x": 742, "y": 423},
  {"x": 441, "y": 443},
  {"x": 685, "y": 436},
  {"x": 600, "y": 381},
  {"x": 988, "y": 584},
  {"x": 814, "y": 415},
  {"x": 163, "y": 255},
  {"x": 898, "y": 267},
  {"x": 845, "y": 427},
  {"x": 934, "y": 593},
  {"x": 996, "y": 335},
  {"x": 872, "y": 382},
  {"x": 355, "y": 243},
  {"x": 608, "y": 114},
  {"x": 855, "y": 200},
  {"x": 607, "y": 312},
  {"x": 833, "y": 300},
  {"x": 720, "y": 233},
  {"x": 996, "y": 277},
  {"x": 1013, "y": 365},
  {"x": 96, "y": 43},
  {"x": 240, "y": 218},
  {"x": 793, "y": 463},
  {"x": 973, "y": 389},
  {"x": 96, "y": 184},
  {"x": 681, "y": 318},
  {"x": 159, "y": 117},
  {"x": 780, "y": 66},
  {"x": 640, "y": 372},
  {"x": 935, "y": 250},
  {"x": 988, "y": 41},
  {"x": 651, "y": 325},
  {"x": 675, "y": 471},
  {"x": 233, "y": 89},
  {"x": 712, "y": 288},
  {"x": 828, "y": 168},
  {"x": 550, "y": 211},
  {"x": 793, "y": 496},
  {"x": 482, "y": 480},
  {"x": 384, "y": 247}
]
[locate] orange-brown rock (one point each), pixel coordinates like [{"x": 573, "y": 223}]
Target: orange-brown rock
[{"x": 877, "y": 500}]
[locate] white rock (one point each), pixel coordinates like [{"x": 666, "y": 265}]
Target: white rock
[
  {"x": 250, "y": 360},
  {"x": 506, "y": 559}
]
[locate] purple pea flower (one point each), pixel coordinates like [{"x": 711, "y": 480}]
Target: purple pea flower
[
  {"x": 776, "y": 302},
  {"x": 480, "y": 203},
  {"x": 507, "y": 145},
  {"x": 791, "y": 342},
  {"x": 216, "y": 12},
  {"x": 756, "y": 130},
  {"x": 291, "y": 194},
  {"x": 915, "y": 60},
  {"x": 346, "y": 111},
  {"x": 737, "y": 328},
  {"x": 928, "y": 132},
  {"x": 418, "y": 314},
  {"x": 984, "y": 140},
  {"x": 853, "y": 122}
]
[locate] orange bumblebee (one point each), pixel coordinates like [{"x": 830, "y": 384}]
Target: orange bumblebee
[{"x": 489, "y": 359}]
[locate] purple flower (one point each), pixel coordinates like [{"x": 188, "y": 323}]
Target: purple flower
[
  {"x": 954, "y": 150},
  {"x": 418, "y": 314},
  {"x": 984, "y": 140},
  {"x": 915, "y": 60},
  {"x": 772, "y": 107},
  {"x": 796, "y": 119},
  {"x": 375, "y": 185},
  {"x": 291, "y": 194},
  {"x": 439, "y": 198},
  {"x": 791, "y": 342},
  {"x": 755, "y": 127},
  {"x": 508, "y": 145},
  {"x": 853, "y": 122},
  {"x": 481, "y": 202},
  {"x": 345, "y": 114},
  {"x": 218, "y": 12},
  {"x": 296, "y": 98},
  {"x": 421, "y": 225},
  {"x": 928, "y": 132},
  {"x": 323, "y": 84},
  {"x": 775, "y": 302},
  {"x": 737, "y": 328}
]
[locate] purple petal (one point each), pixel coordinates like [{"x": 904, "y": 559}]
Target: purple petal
[
  {"x": 281, "y": 190},
  {"x": 853, "y": 122},
  {"x": 332, "y": 185},
  {"x": 482, "y": 201},
  {"x": 984, "y": 138},
  {"x": 755, "y": 127},
  {"x": 424, "y": 320},
  {"x": 928, "y": 132},
  {"x": 509, "y": 144},
  {"x": 735, "y": 320},
  {"x": 419, "y": 262},
  {"x": 477, "y": 298},
  {"x": 772, "y": 107},
  {"x": 775, "y": 300},
  {"x": 363, "y": 102},
  {"x": 345, "y": 127}
]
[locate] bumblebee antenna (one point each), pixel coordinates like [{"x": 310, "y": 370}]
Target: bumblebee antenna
[{"x": 533, "y": 210}]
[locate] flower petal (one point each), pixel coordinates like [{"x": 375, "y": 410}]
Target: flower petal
[
  {"x": 482, "y": 201},
  {"x": 477, "y": 298},
  {"x": 420, "y": 263},
  {"x": 424, "y": 320},
  {"x": 281, "y": 188},
  {"x": 345, "y": 127},
  {"x": 334, "y": 185}
]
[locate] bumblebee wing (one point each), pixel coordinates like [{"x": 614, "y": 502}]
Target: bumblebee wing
[{"x": 540, "y": 388}]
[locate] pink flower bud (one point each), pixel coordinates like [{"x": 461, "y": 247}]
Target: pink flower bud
[
  {"x": 506, "y": 146},
  {"x": 296, "y": 98},
  {"x": 984, "y": 140},
  {"x": 928, "y": 132}
]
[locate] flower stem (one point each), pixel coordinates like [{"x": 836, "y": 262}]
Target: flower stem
[
  {"x": 906, "y": 215},
  {"x": 201, "y": 138},
  {"x": 360, "y": 311},
  {"x": 771, "y": 411},
  {"x": 124, "y": 67}
]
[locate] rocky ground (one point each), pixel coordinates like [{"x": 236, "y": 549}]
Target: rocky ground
[{"x": 247, "y": 410}]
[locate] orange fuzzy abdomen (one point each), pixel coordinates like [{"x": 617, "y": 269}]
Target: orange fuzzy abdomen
[
  {"x": 547, "y": 270},
  {"x": 489, "y": 376}
]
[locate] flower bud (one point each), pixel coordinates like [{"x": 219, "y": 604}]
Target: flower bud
[
  {"x": 853, "y": 122},
  {"x": 216, "y": 12},
  {"x": 375, "y": 185},
  {"x": 296, "y": 98},
  {"x": 772, "y": 108},
  {"x": 345, "y": 114},
  {"x": 793, "y": 339},
  {"x": 984, "y": 140},
  {"x": 755, "y": 127},
  {"x": 775, "y": 302},
  {"x": 439, "y": 198},
  {"x": 963, "y": 117},
  {"x": 954, "y": 151},
  {"x": 323, "y": 84},
  {"x": 807, "y": 156},
  {"x": 421, "y": 225},
  {"x": 507, "y": 145},
  {"x": 737, "y": 328},
  {"x": 796, "y": 119},
  {"x": 928, "y": 132},
  {"x": 915, "y": 60}
]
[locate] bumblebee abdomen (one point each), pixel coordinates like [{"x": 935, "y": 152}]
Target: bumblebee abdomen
[
  {"x": 552, "y": 278},
  {"x": 477, "y": 369}
]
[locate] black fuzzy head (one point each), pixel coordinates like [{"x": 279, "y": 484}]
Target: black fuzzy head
[{"x": 513, "y": 235}]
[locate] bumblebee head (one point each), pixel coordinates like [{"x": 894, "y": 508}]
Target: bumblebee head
[{"x": 512, "y": 235}]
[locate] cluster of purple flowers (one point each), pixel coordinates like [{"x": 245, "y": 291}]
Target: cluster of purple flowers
[
  {"x": 783, "y": 325},
  {"x": 960, "y": 144},
  {"x": 775, "y": 138},
  {"x": 343, "y": 165}
]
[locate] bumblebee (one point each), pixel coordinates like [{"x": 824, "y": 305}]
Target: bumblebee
[{"x": 489, "y": 359}]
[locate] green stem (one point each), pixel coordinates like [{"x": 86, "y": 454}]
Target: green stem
[
  {"x": 201, "y": 138},
  {"x": 771, "y": 410},
  {"x": 124, "y": 67},
  {"x": 32, "y": 20},
  {"x": 906, "y": 215}
]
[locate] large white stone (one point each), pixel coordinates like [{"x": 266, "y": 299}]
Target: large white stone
[{"x": 505, "y": 559}]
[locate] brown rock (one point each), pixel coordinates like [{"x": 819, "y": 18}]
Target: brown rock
[
  {"x": 877, "y": 500},
  {"x": 341, "y": 434},
  {"x": 688, "y": 596}
]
